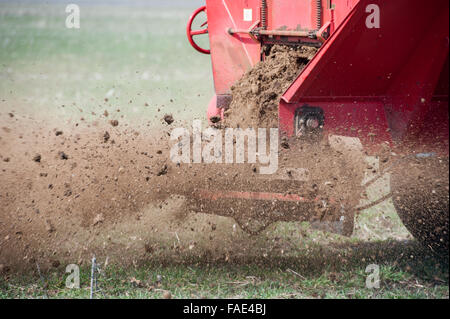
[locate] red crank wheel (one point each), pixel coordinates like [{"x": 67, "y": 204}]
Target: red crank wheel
[{"x": 192, "y": 33}]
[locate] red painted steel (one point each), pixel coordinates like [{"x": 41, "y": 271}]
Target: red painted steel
[
  {"x": 231, "y": 56},
  {"x": 302, "y": 15}
]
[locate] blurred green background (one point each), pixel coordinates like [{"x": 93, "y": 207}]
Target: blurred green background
[{"x": 130, "y": 53}]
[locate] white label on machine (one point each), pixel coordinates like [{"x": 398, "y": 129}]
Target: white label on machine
[{"x": 248, "y": 15}]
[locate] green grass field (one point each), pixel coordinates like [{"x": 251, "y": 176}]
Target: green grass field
[
  {"x": 406, "y": 275},
  {"x": 139, "y": 59}
]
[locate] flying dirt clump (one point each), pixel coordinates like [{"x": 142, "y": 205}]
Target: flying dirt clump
[
  {"x": 168, "y": 118},
  {"x": 63, "y": 156},
  {"x": 257, "y": 94},
  {"x": 106, "y": 137}
]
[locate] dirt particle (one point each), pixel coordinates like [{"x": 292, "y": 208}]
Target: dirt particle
[
  {"x": 148, "y": 248},
  {"x": 215, "y": 119},
  {"x": 63, "y": 156},
  {"x": 3, "y": 269},
  {"x": 58, "y": 133},
  {"x": 285, "y": 145},
  {"x": 163, "y": 170},
  {"x": 49, "y": 226},
  {"x": 168, "y": 118},
  {"x": 106, "y": 137},
  {"x": 37, "y": 158}
]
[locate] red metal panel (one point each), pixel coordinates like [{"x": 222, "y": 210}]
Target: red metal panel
[
  {"x": 302, "y": 15},
  {"x": 409, "y": 97},
  {"x": 231, "y": 56},
  {"x": 357, "y": 61},
  {"x": 340, "y": 11}
]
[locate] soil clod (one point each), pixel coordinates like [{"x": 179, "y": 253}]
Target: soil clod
[
  {"x": 63, "y": 156},
  {"x": 37, "y": 158},
  {"x": 168, "y": 118}
]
